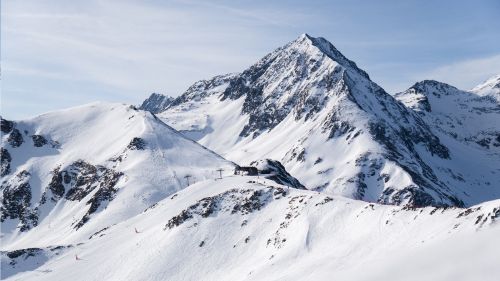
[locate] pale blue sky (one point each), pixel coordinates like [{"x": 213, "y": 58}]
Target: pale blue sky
[{"x": 56, "y": 54}]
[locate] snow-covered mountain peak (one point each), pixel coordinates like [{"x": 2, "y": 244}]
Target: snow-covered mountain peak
[
  {"x": 492, "y": 82},
  {"x": 490, "y": 87},
  {"x": 464, "y": 116},
  {"x": 417, "y": 96},
  {"x": 293, "y": 77},
  {"x": 433, "y": 87},
  {"x": 327, "y": 48},
  {"x": 310, "y": 108}
]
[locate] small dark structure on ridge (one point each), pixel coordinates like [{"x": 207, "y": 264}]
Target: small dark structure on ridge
[{"x": 249, "y": 171}]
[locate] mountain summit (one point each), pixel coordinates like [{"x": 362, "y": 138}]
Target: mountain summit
[{"x": 309, "y": 107}]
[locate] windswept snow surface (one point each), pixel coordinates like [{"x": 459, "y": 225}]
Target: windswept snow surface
[
  {"x": 244, "y": 228},
  {"x": 102, "y": 163}
]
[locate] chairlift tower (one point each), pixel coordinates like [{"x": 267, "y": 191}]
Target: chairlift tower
[
  {"x": 187, "y": 178},
  {"x": 220, "y": 172}
]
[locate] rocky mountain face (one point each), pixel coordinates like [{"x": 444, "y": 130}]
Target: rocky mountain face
[
  {"x": 309, "y": 107},
  {"x": 156, "y": 103}
]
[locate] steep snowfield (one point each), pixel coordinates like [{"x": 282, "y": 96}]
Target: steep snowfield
[
  {"x": 490, "y": 87},
  {"x": 91, "y": 167},
  {"x": 244, "y": 228},
  {"x": 316, "y": 112}
]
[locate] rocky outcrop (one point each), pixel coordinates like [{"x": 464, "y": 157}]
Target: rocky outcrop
[
  {"x": 39, "y": 140},
  {"x": 156, "y": 103},
  {"x": 16, "y": 261},
  {"x": 15, "y": 138},
  {"x": 16, "y": 201},
  {"x": 234, "y": 201},
  {"x": 5, "y": 160},
  {"x": 80, "y": 179},
  {"x": 137, "y": 144},
  {"x": 6, "y": 126}
]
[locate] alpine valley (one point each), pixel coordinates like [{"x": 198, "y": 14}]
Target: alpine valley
[{"x": 298, "y": 168}]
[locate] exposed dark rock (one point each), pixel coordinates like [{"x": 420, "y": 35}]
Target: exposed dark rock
[
  {"x": 415, "y": 196},
  {"x": 28, "y": 259},
  {"x": 28, "y": 252},
  {"x": 15, "y": 138},
  {"x": 361, "y": 186},
  {"x": 234, "y": 201},
  {"x": 56, "y": 185},
  {"x": 326, "y": 200},
  {"x": 335, "y": 126},
  {"x": 80, "y": 179},
  {"x": 105, "y": 193},
  {"x": 83, "y": 178},
  {"x": 179, "y": 219},
  {"x": 137, "y": 144},
  {"x": 39, "y": 140},
  {"x": 16, "y": 201},
  {"x": 99, "y": 233},
  {"x": 156, "y": 103},
  {"x": 6, "y": 125},
  {"x": 201, "y": 89},
  {"x": 5, "y": 160}
]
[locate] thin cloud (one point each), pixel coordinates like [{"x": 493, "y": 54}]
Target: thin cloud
[{"x": 465, "y": 74}]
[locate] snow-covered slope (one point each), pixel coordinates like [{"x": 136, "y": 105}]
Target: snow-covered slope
[
  {"x": 461, "y": 115},
  {"x": 156, "y": 103},
  {"x": 315, "y": 111},
  {"x": 69, "y": 173},
  {"x": 490, "y": 87},
  {"x": 244, "y": 228}
]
